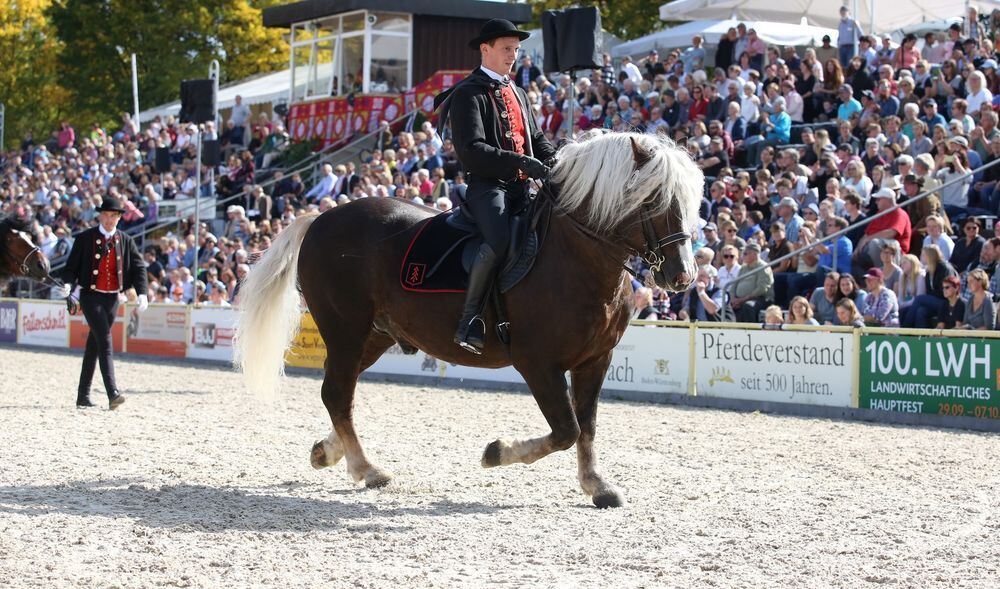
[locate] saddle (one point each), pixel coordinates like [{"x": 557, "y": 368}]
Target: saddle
[{"x": 440, "y": 254}]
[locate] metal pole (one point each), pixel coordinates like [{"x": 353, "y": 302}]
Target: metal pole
[
  {"x": 572, "y": 103},
  {"x": 214, "y": 72},
  {"x": 3, "y": 121},
  {"x": 197, "y": 218},
  {"x": 135, "y": 92}
]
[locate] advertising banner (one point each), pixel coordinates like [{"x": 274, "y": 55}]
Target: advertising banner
[
  {"x": 937, "y": 375},
  {"x": 308, "y": 349},
  {"x": 79, "y": 331},
  {"x": 394, "y": 361},
  {"x": 652, "y": 360},
  {"x": 646, "y": 359},
  {"x": 43, "y": 323},
  {"x": 813, "y": 368},
  {"x": 8, "y": 322},
  {"x": 211, "y": 334},
  {"x": 160, "y": 331}
]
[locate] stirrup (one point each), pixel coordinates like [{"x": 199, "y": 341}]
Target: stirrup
[
  {"x": 462, "y": 339},
  {"x": 470, "y": 348}
]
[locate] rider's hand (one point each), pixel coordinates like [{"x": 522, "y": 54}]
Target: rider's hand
[
  {"x": 533, "y": 168},
  {"x": 62, "y": 292},
  {"x": 143, "y": 303}
]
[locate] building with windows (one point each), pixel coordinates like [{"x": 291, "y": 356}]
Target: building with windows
[{"x": 342, "y": 47}]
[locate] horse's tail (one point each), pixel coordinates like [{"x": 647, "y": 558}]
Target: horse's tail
[{"x": 269, "y": 311}]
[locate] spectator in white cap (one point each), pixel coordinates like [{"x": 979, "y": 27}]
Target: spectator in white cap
[
  {"x": 894, "y": 226},
  {"x": 788, "y": 213},
  {"x": 235, "y": 214},
  {"x": 749, "y": 296}
]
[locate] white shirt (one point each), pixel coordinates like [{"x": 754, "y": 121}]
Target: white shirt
[
  {"x": 494, "y": 75},
  {"x": 726, "y": 275},
  {"x": 633, "y": 73},
  {"x": 107, "y": 234},
  {"x": 977, "y": 100},
  {"x": 944, "y": 243}
]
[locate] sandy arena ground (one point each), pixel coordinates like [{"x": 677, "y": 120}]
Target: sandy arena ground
[{"x": 190, "y": 484}]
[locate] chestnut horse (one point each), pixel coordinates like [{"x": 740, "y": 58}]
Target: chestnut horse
[
  {"x": 19, "y": 256},
  {"x": 615, "y": 195}
]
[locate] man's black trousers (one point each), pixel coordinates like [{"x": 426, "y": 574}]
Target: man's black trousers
[
  {"x": 99, "y": 309},
  {"x": 491, "y": 202}
]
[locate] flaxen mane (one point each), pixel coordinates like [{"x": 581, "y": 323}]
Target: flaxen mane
[{"x": 597, "y": 178}]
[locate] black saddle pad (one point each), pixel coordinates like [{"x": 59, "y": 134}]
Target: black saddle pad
[{"x": 440, "y": 254}]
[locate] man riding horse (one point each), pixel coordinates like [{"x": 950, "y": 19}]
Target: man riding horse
[{"x": 500, "y": 148}]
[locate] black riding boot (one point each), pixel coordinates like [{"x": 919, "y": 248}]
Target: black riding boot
[{"x": 471, "y": 334}]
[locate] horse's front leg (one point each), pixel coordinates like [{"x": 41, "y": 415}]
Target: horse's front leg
[
  {"x": 587, "y": 383},
  {"x": 548, "y": 386}
]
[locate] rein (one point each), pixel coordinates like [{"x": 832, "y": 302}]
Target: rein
[{"x": 652, "y": 256}]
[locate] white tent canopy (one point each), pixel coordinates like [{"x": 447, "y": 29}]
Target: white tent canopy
[
  {"x": 712, "y": 30},
  {"x": 261, "y": 89},
  {"x": 889, "y": 15}
]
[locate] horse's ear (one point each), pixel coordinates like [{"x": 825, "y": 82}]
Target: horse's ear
[{"x": 640, "y": 154}]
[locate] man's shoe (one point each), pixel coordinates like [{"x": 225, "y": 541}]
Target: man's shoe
[
  {"x": 115, "y": 401},
  {"x": 84, "y": 402}
]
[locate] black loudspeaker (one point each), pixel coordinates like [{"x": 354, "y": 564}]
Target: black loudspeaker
[
  {"x": 572, "y": 38},
  {"x": 210, "y": 154},
  {"x": 162, "y": 159},
  {"x": 197, "y": 101}
]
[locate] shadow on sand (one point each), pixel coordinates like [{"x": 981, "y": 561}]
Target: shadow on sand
[{"x": 213, "y": 509}]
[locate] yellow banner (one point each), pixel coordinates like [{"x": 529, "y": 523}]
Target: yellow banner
[{"x": 308, "y": 349}]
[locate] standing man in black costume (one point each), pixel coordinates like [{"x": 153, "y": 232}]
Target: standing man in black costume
[
  {"x": 105, "y": 263},
  {"x": 500, "y": 148}
]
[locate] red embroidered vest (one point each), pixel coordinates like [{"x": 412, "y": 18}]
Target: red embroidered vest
[
  {"x": 107, "y": 264},
  {"x": 517, "y": 124}
]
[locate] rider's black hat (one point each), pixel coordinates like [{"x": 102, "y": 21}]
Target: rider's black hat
[
  {"x": 496, "y": 28},
  {"x": 110, "y": 203}
]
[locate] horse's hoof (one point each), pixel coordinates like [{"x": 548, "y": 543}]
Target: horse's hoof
[
  {"x": 318, "y": 456},
  {"x": 609, "y": 498},
  {"x": 491, "y": 457},
  {"x": 377, "y": 479}
]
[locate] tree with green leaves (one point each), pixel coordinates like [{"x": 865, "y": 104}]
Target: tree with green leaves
[
  {"x": 173, "y": 40},
  {"x": 626, "y": 19},
  {"x": 29, "y": 88}
]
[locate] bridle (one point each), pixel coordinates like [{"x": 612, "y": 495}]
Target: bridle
[
  {"x": 653, "y": 256},
  {"x": 22, "y": 266}
]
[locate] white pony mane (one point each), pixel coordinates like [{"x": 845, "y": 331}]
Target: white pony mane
[{"x": 597, "y": 178}]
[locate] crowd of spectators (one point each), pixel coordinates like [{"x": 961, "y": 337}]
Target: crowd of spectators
[
  {"x": 798, "y": 145},
  {"x": 58, "y": 183},
  {"x": 795, "y": 146}
]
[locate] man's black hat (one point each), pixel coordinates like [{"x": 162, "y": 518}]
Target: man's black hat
[
  {"x": 496, "y": 28},
  {"x": 111, "y": 203}
]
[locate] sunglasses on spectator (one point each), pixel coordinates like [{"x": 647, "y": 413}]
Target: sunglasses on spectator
[{"x": 728, "y": 257}]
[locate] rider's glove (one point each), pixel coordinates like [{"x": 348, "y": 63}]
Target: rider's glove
[{"x": 533, "y": 168}]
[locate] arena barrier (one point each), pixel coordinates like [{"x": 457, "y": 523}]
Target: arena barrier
[{"x": 876, "y": 371}]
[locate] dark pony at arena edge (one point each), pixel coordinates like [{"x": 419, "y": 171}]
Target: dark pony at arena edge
[
  {"x": 19, "y": 256},
  {"x": 615, "y": 195}
]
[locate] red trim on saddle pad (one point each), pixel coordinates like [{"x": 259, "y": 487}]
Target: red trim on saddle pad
[{"x": 412, "y": 274}]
